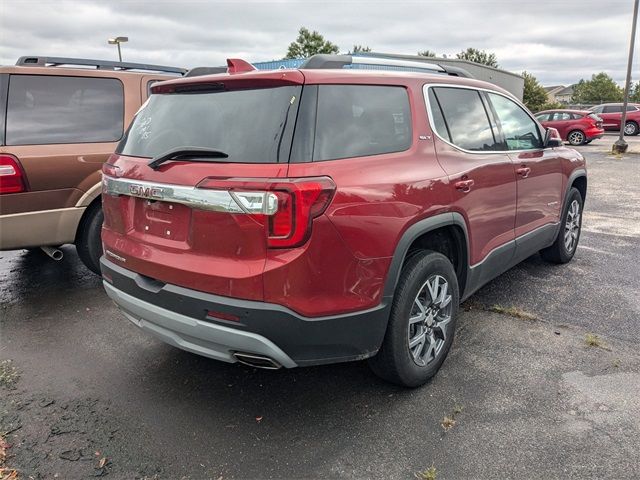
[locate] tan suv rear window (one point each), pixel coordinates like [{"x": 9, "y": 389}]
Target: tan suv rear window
[{"x": 46, "y": 109}]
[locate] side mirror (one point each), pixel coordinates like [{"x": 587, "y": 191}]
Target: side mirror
[{"x": 552, "y": 138}]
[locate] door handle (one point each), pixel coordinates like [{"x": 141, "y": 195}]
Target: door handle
[
  {"x": 523, "y": 171},
  {"x": 464, "y": 185}
]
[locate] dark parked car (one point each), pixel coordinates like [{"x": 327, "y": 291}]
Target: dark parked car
[
  {"x": 575, "y": 126},
  {"x": 300, "y": 217}
]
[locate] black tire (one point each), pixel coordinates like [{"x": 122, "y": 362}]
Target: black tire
[
  {"x": 631, "y": 128},
  {"x": 88, "y": 241},
  {"x": 559, "y": 252},
  {"x": 588, "y": 141},
  {"x": 576, "y": 137},
  {"x": 394, "y": 361}
]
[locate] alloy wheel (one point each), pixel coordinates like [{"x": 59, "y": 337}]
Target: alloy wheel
[
  {"x": 572, "y": 226},
  {"x": 576, "y": 138},
  {"x": 630, "y": 128},
  {"x": 429, "y": 319}
]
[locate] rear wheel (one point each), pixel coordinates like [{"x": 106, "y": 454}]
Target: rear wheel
[
  {"x": 566, "y": 242},
  {"x": 631, "y": 128},
  {"x": 576, "y": 137},
  {"x": 422, "y": 321},
  {"x": 88, "y": 241}
]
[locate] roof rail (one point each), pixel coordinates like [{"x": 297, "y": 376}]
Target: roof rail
[
  {"x": 322, "y": 60},
  {"x": 99, "y": 64}
]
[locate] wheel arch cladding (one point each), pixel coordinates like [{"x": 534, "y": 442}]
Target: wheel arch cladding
[
  {"x": 445, "y": 233},
  {"x": 580, "y": 182}
]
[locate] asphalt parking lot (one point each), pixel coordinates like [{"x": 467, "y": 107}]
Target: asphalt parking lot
[{"x": 83, "y": 393}]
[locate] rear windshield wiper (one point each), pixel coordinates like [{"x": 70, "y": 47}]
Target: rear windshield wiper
[{"x": 197, "y": 154}]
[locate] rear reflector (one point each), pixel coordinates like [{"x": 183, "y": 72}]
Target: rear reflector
[
  {"x": 12, "y": 179},
  {"x": 223, "y": 316}
]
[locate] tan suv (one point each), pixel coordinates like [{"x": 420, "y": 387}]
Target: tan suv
[{"x": 60, "y": 119}]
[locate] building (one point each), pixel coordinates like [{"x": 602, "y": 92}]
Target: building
[
  {"x": 559, "y": 93},
  {"x": 512, "y": 82}
]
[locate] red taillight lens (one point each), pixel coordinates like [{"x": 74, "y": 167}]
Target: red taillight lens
[
  {"x": 299, "y": 201},
  {"x": 12, "y": 179}
]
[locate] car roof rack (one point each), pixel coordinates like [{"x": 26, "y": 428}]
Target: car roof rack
[
  {"x": 323, "y": 60},
  {"x": 99, "y": 64}
]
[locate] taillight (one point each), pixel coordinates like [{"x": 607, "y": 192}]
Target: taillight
[
  {"x": 12, "y": 179},
  {"x": 111, "y": 170},
  {"x": 285, "y": 207}
]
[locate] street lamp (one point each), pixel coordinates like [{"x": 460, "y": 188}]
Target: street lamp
[
  {"x": 117, "y": 41},
  {"x": 620, "y": 146}
]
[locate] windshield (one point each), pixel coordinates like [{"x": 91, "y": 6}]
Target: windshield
[{"x": 250, "y": 126}]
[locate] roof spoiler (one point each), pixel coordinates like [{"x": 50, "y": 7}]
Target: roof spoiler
[
  {"x": 99, "y": 64},
  {"x": 326, "y": 61},
  {"x": 234, "y": 65}
]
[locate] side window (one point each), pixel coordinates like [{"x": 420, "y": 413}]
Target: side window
[
  {"x": 562, "y": 116},
  {"x": 44, "y": 109},
  {"x": 519, "y": 129},
  {"x": 544, "y": 117},
  {"x": 597, "y": 109},
  {"x": 631, "y": 108},
  {"x": 464, "y": 118},
  {"x": 612, "y": 109},
  {"x": 359, "y": 120}
]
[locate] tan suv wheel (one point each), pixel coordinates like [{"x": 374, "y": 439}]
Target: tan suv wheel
[{"x": 88, "y": 241}]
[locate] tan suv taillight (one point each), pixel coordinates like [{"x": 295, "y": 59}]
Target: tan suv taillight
[{"x": 12, "y": 179}]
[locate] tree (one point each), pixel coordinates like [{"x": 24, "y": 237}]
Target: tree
[
  {"x": 427, "y": 53},
  {"x": 310, "y": 43},
  {"x": 634, "y": 94},
  {"x": 479, "y": 56},
  {"x": 360, "y": 49},
  {"x": 535, "y": 96},
  {"x": 601, "y": 88}
]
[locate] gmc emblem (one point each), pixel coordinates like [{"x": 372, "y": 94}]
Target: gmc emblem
[{"x": 145, "y": 192}]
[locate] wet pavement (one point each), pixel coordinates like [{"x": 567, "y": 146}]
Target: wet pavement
[{"x": 525, "y": 399}]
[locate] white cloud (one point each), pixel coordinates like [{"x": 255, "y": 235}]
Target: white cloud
[{"x": 558, "y": 41}]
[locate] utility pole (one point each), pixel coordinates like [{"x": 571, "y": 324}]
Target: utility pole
[{"x": 621, "y": 146}]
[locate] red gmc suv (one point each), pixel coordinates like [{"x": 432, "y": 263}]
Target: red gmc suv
[{"x": 327, "y": 214}]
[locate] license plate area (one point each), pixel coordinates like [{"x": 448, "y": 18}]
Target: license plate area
[{"x": 155, "y": 219}]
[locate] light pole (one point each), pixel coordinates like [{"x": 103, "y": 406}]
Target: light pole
[
  {"x": 117, "y": 41},
  {"x": 620, "y": 146}
]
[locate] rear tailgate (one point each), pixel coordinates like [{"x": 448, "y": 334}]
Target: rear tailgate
[{"x": 181, "y": 223}]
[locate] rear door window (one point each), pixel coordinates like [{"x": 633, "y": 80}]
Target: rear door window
[
  {"x": 612, "y": 109},
  {"x": 519, "y": 129},
  {"x": 360, "y": 120},
  {"x": 45, "y": 109},
  {"x": 460, "y": 117}
]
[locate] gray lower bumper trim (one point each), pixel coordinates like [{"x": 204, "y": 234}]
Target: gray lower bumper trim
[{"x": 204, "y": 338}]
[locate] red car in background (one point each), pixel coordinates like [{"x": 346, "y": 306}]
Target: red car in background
[
  {"x": 611, "y": 114},
  {"x": 575, "y": 126}
]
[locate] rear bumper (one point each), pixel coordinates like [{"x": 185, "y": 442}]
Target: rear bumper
[
  {"x": 38, "y": 229},
  {"x": 179, "y": 316},
  {"x": 594, "y": 133}
]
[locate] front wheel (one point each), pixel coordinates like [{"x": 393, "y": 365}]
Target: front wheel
[
  {"x": 631, "y": 128},
  {"x": 566, "y": 243},
  {"x": 422, "y": 321},
  {"x": 576, "y": 138},
  {"x": 88, "y": 240}
]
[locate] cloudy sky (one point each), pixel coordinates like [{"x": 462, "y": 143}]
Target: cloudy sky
[{"x": 558, "y": 41}]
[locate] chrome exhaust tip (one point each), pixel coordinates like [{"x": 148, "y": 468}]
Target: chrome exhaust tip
[
  {"x": 257, "y": 361},
  {"x": 54, "y": 253}
]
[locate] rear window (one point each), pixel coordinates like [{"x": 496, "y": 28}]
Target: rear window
[
  {"x": 250, "y": 126},
  {"x": 360, "y": 120},
  {"x": 45, "y": 109}
]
